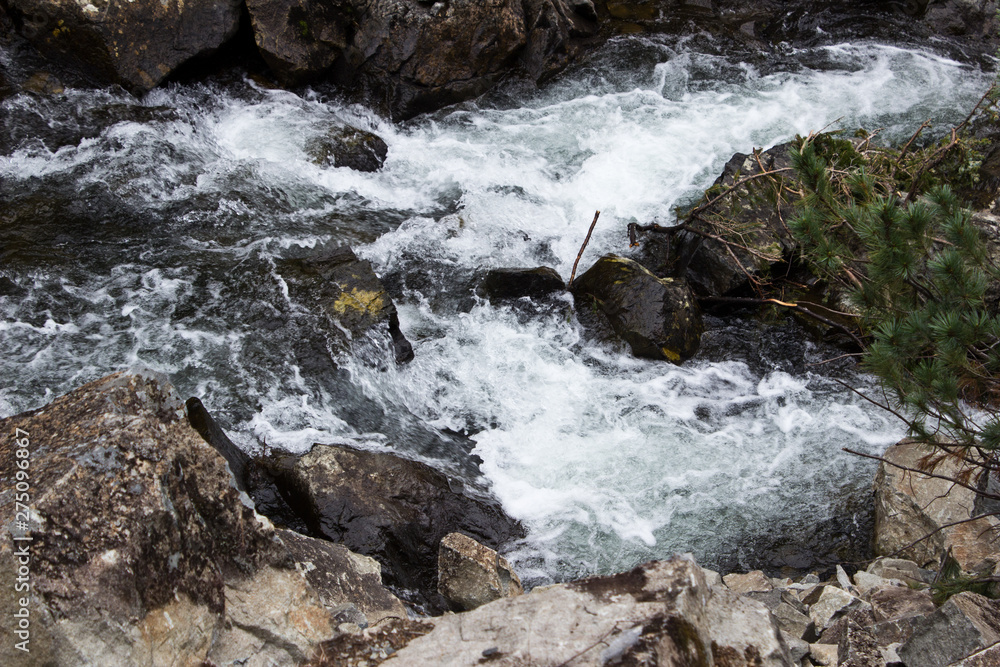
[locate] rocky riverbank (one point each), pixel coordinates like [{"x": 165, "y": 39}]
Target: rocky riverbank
[
  {"x": 140, "y": 548},
  {"x": 405, "y": 57}
]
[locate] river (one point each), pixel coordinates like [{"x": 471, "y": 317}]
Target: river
[{"x": 150, "y": 233}]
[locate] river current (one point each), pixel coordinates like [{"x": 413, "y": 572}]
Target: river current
[{"x": 149, "y": 233}]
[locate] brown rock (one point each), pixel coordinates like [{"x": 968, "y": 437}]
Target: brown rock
[
  {"x": 471, "y": 574},
  {"x": 135, "y": 44},
  {"x": 909, "y": 506},
  {"x": 142, "y": 549},
  {"x": 889, "y": 604},
  {"x": 749, "y": 582}
]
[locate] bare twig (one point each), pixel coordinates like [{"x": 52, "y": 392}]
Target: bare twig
[
  {"x": 984, "y": 494},
  {"x": 583, "y": 247},
  {"x": 793, "y": 306}
]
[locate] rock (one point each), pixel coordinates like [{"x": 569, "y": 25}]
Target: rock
[
  {"x": 964, "y": 624},
  {"x": 831, "y": 605},
  {"x": 988, "y": 657},
  {"x": 711, "y": 267},
  {"x": 658, "y": 317},
  {"x": 743, "y": 631},
  {"x": 408, "y": 58},
  {"x": 660, "y": 613},
  {"x": 202, "y": 421},
  {"x": 349, "y": 147},
  {"x": 859, "y": 648},
  {"x": 866, "y": 582},
  {"x": 470, "y": 574},
  {"x": 348, "y": 584},
  {"x": 712, "y": 577},
  {"x": 745, "y": 583},
  {"x": 901, "y": 569},
  {"x": 142, "y": 550},
  {"x": 892, "y": 603},
  {"x": 824, "y": 654},
  {"x": 798, "y": 649},
  {"x": 505, "y": 284},
  {"x": 394, "y": 510},
  {"x": 793, "y": 622},
  {"x": 345, "y": 291},
  {"x": 909, "y": 506},
  {"x": 135, "y": 44}
]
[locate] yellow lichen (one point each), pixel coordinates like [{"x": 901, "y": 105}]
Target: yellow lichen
[
  {"x": 370, "y": 301},
  {"x": 670, "y": 354}
]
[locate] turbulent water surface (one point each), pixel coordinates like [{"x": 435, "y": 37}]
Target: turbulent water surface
[{"x": 151, "y": 233}]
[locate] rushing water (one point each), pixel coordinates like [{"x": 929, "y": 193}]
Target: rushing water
[{"x": 151, "y": 233}]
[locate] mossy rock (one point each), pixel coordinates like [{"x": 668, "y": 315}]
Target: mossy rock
[{"x": 658, "y": 317}]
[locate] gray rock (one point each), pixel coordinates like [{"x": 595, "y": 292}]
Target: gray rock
[
  {"x": 471, "y": 574},
  {"x": 824, "y": 654},
  {"x": 793, "y": 621},
  {"x": 661, "y": 613},
  {"x": 395, "y": 510},
  {"x": 910, "y": 506},
  {"x": 142, "y": 549},
  {"x": 866, "y": 582},
  {"x": 135, "y": 44},
  {"x": 964, "y": 624},
  {"x": 859, "y": 648},
  {"x": 900, "y": 569},
  {"x": 658, "y": 317},
  {"x": 988, "y": 657},
  {"x": 831, "y": 605}
]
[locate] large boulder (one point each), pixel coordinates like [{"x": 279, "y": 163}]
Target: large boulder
[
  {"x": 963, "y": 625},
  {"x": 660, "y": 613},
  {"x": 136, "y": 547},
  {"x": 471, "y": 574},
  {"x": 658, "y": 317},
  {"x": 135, "y": 44},
  {"x": 409, "y": 57},
  {"x": 348, "y": 298},
  {"x": 392, "y": 509},
  {"x": 916, "y": 515}
]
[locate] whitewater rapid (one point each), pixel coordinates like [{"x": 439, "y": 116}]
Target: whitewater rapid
[{"x": 153, "y": 237}]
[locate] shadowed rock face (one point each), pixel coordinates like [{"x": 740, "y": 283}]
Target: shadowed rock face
[{"x": 135, "y": 44}]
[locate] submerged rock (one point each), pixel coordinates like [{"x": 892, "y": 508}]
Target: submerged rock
[
  {"x": 142, "y": 550},
  {"x": 658, "y": 317},
  {"x": 392, "y": 509},
  {"x": 348, "y": 295},
  {"x": 135, "y": 44},
  {"x": 471, "y": 574}
]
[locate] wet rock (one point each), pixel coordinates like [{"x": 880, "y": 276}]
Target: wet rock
[
  {"x": 345, "y": 291},
  {"x": 142, "y": 549},
  {"x": 745, "y": 583},
  {"x": 471, "y": 574},
  {"x": 512, "y": 283},
  {"x": 964, "y": 624},
  {"x": 408, "y": 58},
  {"x": 713, "y": 268},
  {"x": 394, "y": 510},
  {"x": 658, "y": 317},
  {"x": 202, "y": 421},
  {"x": 135, "y": 44},
  {"x": 910, "y": 506},
  {"x": 660, "y": 613},
  {"x": 349, "y": 147}
]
